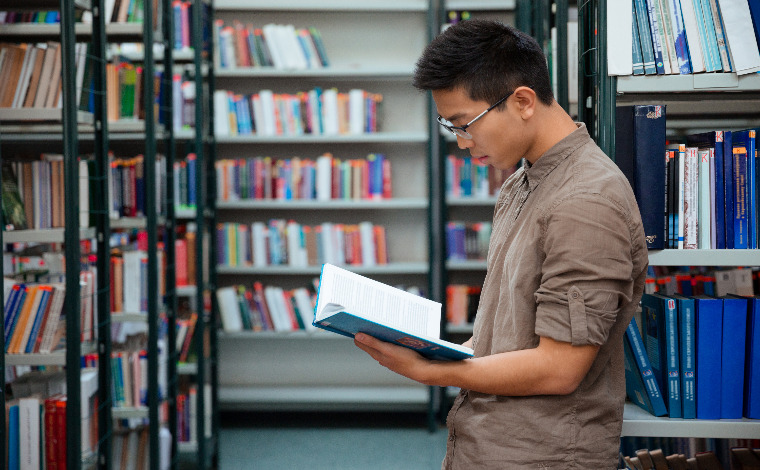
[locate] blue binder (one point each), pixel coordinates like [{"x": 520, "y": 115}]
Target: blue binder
[
  {"x": 709, "y": 328},
  {"x": 732, "y": 356}
]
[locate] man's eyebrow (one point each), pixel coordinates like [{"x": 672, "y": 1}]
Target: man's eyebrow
[{"x": 453, "y": 117}]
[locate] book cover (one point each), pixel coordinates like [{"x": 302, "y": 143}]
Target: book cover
[
  {"x": 643, "y": 388},
  {"x": 733, "y": 356},
  {"x": 639, "y": 151},
  {"x": 752, "y": 357},
  {"x": 645, "y": 37},
  {"x": 709, "y": 331},
  {"x": 348, "y": 303},
  {"x": 661, "y": 339},
  {"x": 728, "y": 188},
  {"x": 687, "y": 354}
]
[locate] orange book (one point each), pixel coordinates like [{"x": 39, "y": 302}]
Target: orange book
[{"x": 23, "y": 323}]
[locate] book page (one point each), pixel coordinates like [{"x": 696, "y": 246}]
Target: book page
[{"x": 378, "y": 302}]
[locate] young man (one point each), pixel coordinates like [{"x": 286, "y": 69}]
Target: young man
[{"x": 566, "y": 266}]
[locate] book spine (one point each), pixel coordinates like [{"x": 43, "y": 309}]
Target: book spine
[
  {"x": 640, "y": 355},
  {"x": 686, "y": 325}
]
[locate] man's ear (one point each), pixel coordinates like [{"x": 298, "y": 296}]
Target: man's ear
[{"x": 526, "y": 100}]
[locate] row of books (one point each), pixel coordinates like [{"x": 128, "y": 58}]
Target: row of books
[
  {"x": 738, "y": 458},
  {"x": 467, "y": 240},
  {"x": 695, "y": 357},
  {"x": 740, "y": 281},
  {"x": 127, "y": 185},
  {"x": 265, "y": 308},
  {"x": 184, "y": 182},
  {"x": 281, "y": 242},
  {"x": 462, "y": 303},
  {"x": 30, "y": 74},
  {"x": 36, "y": 424},
  {"x": 467, "y": 177},
  {"x": 187, "y": 417},
  {"x": 693, "y": 36},
  {"x": 129, "y": 384},
  {"x": 322, "y": 179},
  {"x": 281, "y": 46},
  {"x": 33, "y": 192},
  {"x": 129, "y": 280},
  {"x": 314, "y": 112},
  {"x": 185, "y": 330},
  {"x": 32, "y": 316},
  {"x": 703, "y": 194},
  {"x": 731, "y": 453}
]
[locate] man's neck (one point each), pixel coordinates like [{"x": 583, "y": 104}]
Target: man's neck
[{"x": 553, "y": 125}]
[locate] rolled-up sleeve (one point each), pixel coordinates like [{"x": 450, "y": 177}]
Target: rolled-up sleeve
[{"x": 586, "y": 270}]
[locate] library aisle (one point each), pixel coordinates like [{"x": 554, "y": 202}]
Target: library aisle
[{"x": 333, "y": 441}]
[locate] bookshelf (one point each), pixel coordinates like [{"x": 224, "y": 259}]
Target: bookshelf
[
  {"x": 79, "y": 381},
  {"x": 301, "y": 370},
  {"x": 697, "y": 100}
]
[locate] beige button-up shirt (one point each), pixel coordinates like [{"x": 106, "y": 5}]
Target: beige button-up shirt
[{"x": 567, "y": 260}]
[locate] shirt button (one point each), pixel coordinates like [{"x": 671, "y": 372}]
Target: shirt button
[{"x": 575, "y": 295}]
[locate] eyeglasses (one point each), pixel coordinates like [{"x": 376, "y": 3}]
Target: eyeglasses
[{"x": 461, "y": 131}]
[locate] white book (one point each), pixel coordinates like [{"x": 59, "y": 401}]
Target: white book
[
  {"x": 692, "y": 36},
  {"x": 296, "y": 246},
  {"x": 84, "y": 194},
  {"x": 324, "y": 177},
  {"x": 294, "y": 53},
  {"x": 713, "y": 217},
  {"x": 572, "y": 61},
  {"x": 271, "y": 36},
  {"x": 277, "y": 310},
  {"x": 720, "y": 37},
  {"x": 691, "y": 199},
  {"x": 177, "y": 102},
  {"x": 328, "y": 252},
  {"x": 132, "y": 285},
  {"x": 29, "y": 432},
  {"x": 268, "y": 118},
  {"x": 348, "y": 303},
  {"x": 229, "y": 310},
  {"x": 330, "y": 122},
  {"x": 259, "y": 243},
  {"x": 356, "y": 111},
  {"x": 229, "y": 61},
  {"x": 619, "y": 38},
  {"x": 338, "y": 237},
  {"x": 54, "y": 317},
  {"x": 657, "y": 36},
  {"x": 367, "y": 236},
  {"x": 81, "y": 66},
  {"x": 704, "y": 205},
  {"x": 667, "y": 35},
  {"x": 740, "y": 32}
]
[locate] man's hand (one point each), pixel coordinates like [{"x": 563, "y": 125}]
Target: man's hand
[{"x": 399, "y": 359}]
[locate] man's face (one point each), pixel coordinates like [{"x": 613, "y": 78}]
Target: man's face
[{"x": 496, "y": 137}]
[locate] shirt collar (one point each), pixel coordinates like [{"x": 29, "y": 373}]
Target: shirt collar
[{"x": 535, "y": 173}]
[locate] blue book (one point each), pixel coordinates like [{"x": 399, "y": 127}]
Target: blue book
[
  {"x": 754, "y": 10},
  {"x": 649, "y": 391},
  {"x": 728, "y": 187},
  {"x": 732, "y": 356},
  {"x": 15, "y": 314},
  {"x": 709, "y": 328},
  {"x": 14, "y": 460},
  {"x": 745, "y": 186},
  {"x": 752, "y": 358},
  {"x": 687, "y": 350},
  {"x": 348, "y": 303},
  {"x": 660, "y": 317},
  {"x": 640, "y": 154},
  {"x": 682, "y": 49},
  {"x": 657, "y": 35},
  {"x": 45, "y": 293},
  {"x": 11, "y": 304}
]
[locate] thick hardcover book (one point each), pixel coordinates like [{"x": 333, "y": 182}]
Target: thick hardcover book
[
  {"x": 747, "y": 139},
  {"x": 709, "y": 328},
  {"x": 640, "y": 154},
  {"x": 733, "y": 356},
  {"x": 661, "y": 339},
  {"x": 752, "y": 357},
  {"x": 741, "y": 229},
  {"x": 640, "y": 384},
  {"x": 348, "y": 303},
  {"x": 687, "y": 353}
]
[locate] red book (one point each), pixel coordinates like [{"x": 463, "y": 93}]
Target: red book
[{"x": 180, "y": 253}]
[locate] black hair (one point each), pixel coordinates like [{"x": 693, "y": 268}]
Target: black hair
[{"x": 485, "y": 58}]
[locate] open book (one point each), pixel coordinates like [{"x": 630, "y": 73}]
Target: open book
[{"x": 348, "y": 303}]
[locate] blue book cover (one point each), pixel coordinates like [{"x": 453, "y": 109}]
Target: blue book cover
[
  {"x": 651, "y": 388},
  {"x": 687, "y": 356},
  {"x": 640, "y": 154},
  {"x": 709, "y": 328},
  {"x": 661, "y": 339},
  {"x": 657, "y": 35},
  {"x": 682, "y": 49},
  {"x": 754, "y": 10},
  {"x": 635, "y": 388},
  {"x": 752, "y": 357},
  {"x": 15, "y": 314},
  {"x": 745, "y": 189},
  {"x": 14, "y": 459},
  {"x": 732, "y": 356},
  {"x": 728, "y": 188},
  {"x": 348, "y": 303},
  {"x": 39, "y": 315},
  {"x": 10, "y": 309}
]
